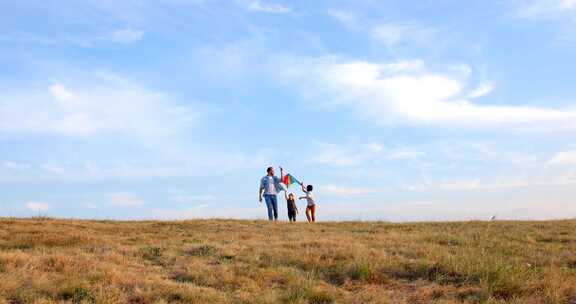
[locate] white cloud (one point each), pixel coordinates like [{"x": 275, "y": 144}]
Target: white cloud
[
  {"x": 126, "y": 35},
  {"x": 533, "y": 8},
  {"x": 94, "y": 170},
  {"x": 54, "y": 169},
  {"x": 61, "y": 93},
  {"x": 404, "y": 154},
  {"x": 339, "y": 190},
  {"x": 117, "y": 36},
  {"x": 100, "y": 103},
  {"x": 231, "y": 60},
  {"x": 354, "y": 155},
  {"x": 15, "y": 165},
  {"x": 124, "y": 199},
  {"x": 567, "y": 4},
  {"x": 462, "y": 185},
  {"x": 417, "y": 95},
  {"x": 192, "y": 198},
  {"x": 483, "y": 90},
  {"x": 564, "y": 158},
  {"x": 391, "y": 34},
  {"x": 176, "y": 162},
  {"x": 473, "y": 209},
  {"x": 506, "y": 182},
  {"x": 489, "y": 152},
  {"x": 37, "y": 206},
  {"x": 347, "y": 19},
  {"x": 90, "y": 205},
  {"x": 267, "y": 7},
  {"x": 344, "y": 156}
]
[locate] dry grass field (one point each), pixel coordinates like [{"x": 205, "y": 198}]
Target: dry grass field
[{"x": 230, "y": 261}]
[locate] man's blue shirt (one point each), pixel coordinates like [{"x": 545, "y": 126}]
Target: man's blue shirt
[{"x": 264, "y": 183}]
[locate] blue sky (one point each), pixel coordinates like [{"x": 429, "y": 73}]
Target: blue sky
[{"x": 393, "y": 110}]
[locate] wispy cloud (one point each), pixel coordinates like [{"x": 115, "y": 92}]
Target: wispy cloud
[
  {"x": 413, "y": 94},
  {"x": 118, "y": 36},
  {"x": 391, "y": 34},
  {"x": 346, "y": 156},
  {"x": 561, "y": 14},
  {"x": 86, "y": 40},
  {"x": 124, "y": 199},
  {"x": 339, "y": 190},
  {"x": 235, "y": 59},
  {"x": 17, "y": 166},
  {"x": 267, "y": 7},
  {"x": 442, "y": 210},
  {"x": 54, "y": 169},
  {"x": 192, "y": 198},
  {"x": 504, "y": 182},
  {"x": 347, "y": 19},
  {"x": 533, "y": 8},
  {"x": 564, "y": 158},
  {"x": 126, "y": 35},
  {"x": 180, "y": 163},
  {"x": 90, "y": 205},
  {"x": 37, "y": 206},
  {"x": 103, "y": 103},
  {"x": 361, "y": 154},
  {"x": 482, "y": 90}
]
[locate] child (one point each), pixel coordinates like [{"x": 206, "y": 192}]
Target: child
[
  {"x": 292, "y": 209},
  {"x": 311, "y": 206}
]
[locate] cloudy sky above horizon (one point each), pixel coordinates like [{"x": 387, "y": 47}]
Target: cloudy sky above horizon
[{"x": 393, "y": 110}]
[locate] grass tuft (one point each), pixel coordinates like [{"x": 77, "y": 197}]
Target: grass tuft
[
  {"x": 76, "y": 295},
  {"x": 202, "y": 251}
]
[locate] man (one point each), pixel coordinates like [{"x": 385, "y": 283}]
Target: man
[{"x": 270, "y": 187}]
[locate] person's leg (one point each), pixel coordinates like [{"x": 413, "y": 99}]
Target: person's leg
[
  {"x": 308, "y": 214},
  {"x": 275, "y": 206},
  {"x": 313, "y": 212},
  {"x": 268, "y": 199}
]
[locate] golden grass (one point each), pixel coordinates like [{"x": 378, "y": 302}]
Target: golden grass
[{"x": 230, "y": 261}]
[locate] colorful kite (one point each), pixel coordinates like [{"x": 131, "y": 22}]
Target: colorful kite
[{"x": 289, "y": 180}]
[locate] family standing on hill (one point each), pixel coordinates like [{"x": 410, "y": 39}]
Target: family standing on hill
[{"x": 271, "y": 186}]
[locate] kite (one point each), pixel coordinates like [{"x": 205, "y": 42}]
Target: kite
[{"x": 289, "y": 180}]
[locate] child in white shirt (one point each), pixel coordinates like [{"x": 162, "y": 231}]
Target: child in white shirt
[{"x": 311, "y": 205}]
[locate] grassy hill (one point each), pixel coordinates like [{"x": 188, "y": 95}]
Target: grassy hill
[{"x": 230, "y": 261}]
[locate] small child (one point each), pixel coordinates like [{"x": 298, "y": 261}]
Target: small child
[
  {"x": 311, "y": 206},
  {"x": 292, "y": 209}
]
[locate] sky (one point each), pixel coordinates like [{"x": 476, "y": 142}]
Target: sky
[{"x": 393, "y": 110}]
